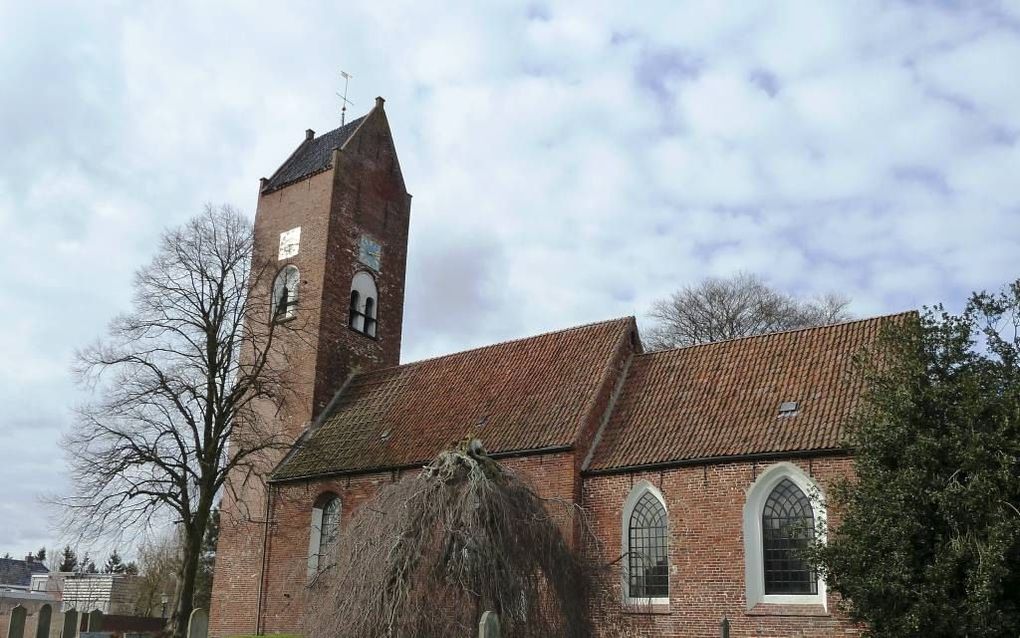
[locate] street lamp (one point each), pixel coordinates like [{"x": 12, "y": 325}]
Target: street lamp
[{"x": 163, "y": 598}]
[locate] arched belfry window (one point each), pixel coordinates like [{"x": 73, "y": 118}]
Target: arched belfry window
[
  {"x": 364, "y": 304},
  {"x": 788, "y": 528},
  {"x": 325, "y": 529},
  {"x": 783, "y": 516},
  {"x": 646, "y": 538},
  {"x": 285, "y": 292}
]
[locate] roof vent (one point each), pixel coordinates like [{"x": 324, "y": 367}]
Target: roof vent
[{"x": 788, "y": 408}]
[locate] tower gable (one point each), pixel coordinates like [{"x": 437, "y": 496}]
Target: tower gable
[{"x": 333, "y": 216}]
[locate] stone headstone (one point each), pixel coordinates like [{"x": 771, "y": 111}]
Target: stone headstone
[
  {"x": 94, "y": 621},
  {"x": 488, "y": 626},
  {"x": 42, "y": 624},
  {"x": 16, "y": 628},
  {"x": 70, "y": 629},
  {"x": 198, "y": 623}
]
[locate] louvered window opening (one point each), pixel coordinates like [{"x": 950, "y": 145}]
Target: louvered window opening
[
  {"x": 788, "y": 528},
  {"x": 285, "y": 293},
  {"x": 648, "y": 562}
]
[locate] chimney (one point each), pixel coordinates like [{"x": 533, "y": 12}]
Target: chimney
[
  {"x": 309, "y": 134},
  {"x": 30, "y": 559},
  {"x": 379, "y": 102}
]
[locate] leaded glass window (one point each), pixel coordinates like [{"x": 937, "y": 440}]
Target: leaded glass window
[
  {"x": 330, "y": 525},
  {"x": 648, "y": 562},
  {"x": 788, "y": 528}
]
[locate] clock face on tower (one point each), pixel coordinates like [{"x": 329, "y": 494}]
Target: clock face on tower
[{"x": 369, "y": 252}]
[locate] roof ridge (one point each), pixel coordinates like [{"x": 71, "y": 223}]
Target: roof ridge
[
  {"x": 312, "y": 156},
  {"x": 499, "y": 343},
  {"x": 342, "y": 126},
  {"x": 783, "y": 332}
]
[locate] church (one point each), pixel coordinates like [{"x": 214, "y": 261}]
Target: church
[{"x": 692, "y": 463}]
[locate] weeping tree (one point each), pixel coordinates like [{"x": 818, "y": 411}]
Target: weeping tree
[
  {"x": 431, "y": 552},
  {"x": 196, "y": 357}
]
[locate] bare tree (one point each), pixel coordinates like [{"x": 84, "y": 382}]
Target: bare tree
[
  {"x": 739, "y": 306},
  {"x": 195, "y": 357},
  {"x": 158, "y": 566}
]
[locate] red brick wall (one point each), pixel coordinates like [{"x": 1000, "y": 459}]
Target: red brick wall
[
  {"x": 706, "y": 552},
  {"x": 239, "y": 551},
  {"x": 368, "y": 199},
  {"x": 363, "y": 193},
  {"x": 706, "y": 544}
]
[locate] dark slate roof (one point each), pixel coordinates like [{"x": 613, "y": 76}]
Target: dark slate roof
[
  {"x": 722, "y": 399},
  {"x": 19, "y": 572},
  {"x": 528, "y": 394},
  {"x": 312, "y": 156}
]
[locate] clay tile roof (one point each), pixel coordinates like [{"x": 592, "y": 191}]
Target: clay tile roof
[
  {"x": 519, "y": 395},
  {"x": 312, "y": 156},
  {"x": 723, "y": 399}
]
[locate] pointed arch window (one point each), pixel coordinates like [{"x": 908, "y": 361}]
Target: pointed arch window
[
  {"x": 646, "y": 534},
  {"x": 364, "y": 304},
  {"x": 285, "y": 293},
  {"x": 783, "y": 515},
  {"x": 324, "y": 531},
  {"x": 788, "y": 528}
]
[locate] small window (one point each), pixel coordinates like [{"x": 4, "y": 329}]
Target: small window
[
  {"x": 364, "y": 304},
  {"x": 285, "y": 293},
  {"x": 325, "y": 529},
  {"x": 330, "y": 525},
  {"x": 788, "y": 528},
  {"x": 647, "y": 534}
]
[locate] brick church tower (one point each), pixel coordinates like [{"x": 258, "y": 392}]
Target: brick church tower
[{"x": 334, "y": 220}]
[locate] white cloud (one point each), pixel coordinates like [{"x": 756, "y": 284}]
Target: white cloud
[{"x": 568, "y": 163}]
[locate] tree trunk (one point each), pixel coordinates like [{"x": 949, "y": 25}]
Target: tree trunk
[{"x": 189, "y": 571}]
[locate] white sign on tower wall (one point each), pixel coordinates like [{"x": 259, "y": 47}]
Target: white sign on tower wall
[{"x": 290, "y": 242}]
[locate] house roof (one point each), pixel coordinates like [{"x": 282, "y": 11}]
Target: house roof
[
  {"x": 723, "y": 399},
  {"x": 311, "y": 156},
  {"x": 19, "y": 572},
  {"x": 523, "y": 395}
]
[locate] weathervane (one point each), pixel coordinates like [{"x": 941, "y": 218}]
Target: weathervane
[{"x": 343, "y": 98}]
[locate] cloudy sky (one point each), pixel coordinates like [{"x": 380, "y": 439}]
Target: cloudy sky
[{"x": 568, "y": 163}]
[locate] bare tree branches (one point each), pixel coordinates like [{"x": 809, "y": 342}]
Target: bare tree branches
[
  {"x": 431, "y": 552},
  {"x": 739, "y": 306},
  {"x": 195, "y": 358}
]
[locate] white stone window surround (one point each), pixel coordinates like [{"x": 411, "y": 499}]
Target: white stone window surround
[
  {"x": 640, "y": 489},
  {"x": 315, "y": 531},
  {"x": 754, "y": 504}
]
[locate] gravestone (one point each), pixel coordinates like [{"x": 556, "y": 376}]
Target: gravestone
[
  {"x": 94, "y": 621},
  {"x": 198, "y": 623},
  {"x": 488, "y": 626},
  {"x": 70, "y": 624},
  {"x": 42, "y": 625},
  {"x": 17, "y": 627}
]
